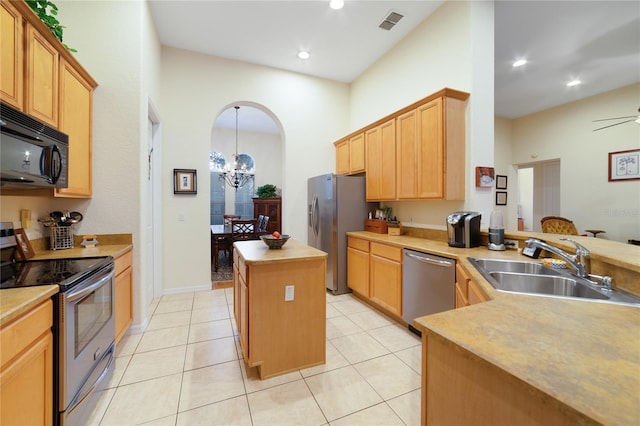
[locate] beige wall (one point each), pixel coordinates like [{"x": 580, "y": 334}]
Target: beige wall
[
  {"x": 566, "y": 132},
  {"x": 312, "y": 113},
  {"x": 449, "y": 49}
]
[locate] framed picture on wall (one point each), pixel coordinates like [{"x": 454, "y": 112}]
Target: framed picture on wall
[
  {"x": 23, "y": 244},
  {"x": 484, "y": 177},
  {"x": 184, "y": 181},
  {"x": 501, "y": 198},
  {"x": 501, "y": 182},
  {"x": 624, "y": 165}
]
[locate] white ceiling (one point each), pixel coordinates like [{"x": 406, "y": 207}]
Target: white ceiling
[{"x": 596, "y": 41}]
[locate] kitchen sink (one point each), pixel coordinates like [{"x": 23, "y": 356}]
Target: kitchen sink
[
  {"x": 523, "y": 267},
  {"x": 528, "y": 277},
  {"x": 544, "y": 284}
]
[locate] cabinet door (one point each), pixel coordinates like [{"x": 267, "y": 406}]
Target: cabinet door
[
  {"x": 475, "y": 294},
  {"x": 11, "y": 54},
  {"x": 388, "y": 160},
  {"x": 42, "y": 78},
  {"x": 357, "y": 154},
  {"x": 430, "y": 170},
  {"x": 386, "y": 283},
  {"x": 124, "y": 308},
  {"x": 244, "y": 319},
  {"x": 76, "y": 116},
  {"x": 380, "y": 144},
  {"x": 342, "y": 157},
  {"x": 358, "y": 271},
  {"x": 406, "y": 140},
  {"x": 373, "y": 163}
]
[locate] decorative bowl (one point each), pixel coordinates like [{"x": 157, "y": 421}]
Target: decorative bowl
[{"x": 274, "y": 243}]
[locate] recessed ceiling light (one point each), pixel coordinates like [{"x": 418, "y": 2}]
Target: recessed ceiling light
[
  {"x": 519, "y": 63},
  {"x": 573, "y": 83},
  {"x": 303, "y": 54},
  {"x": 336, "y": 4}
]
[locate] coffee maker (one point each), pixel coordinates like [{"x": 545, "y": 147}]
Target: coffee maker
[{"x": 463, "y": 229}]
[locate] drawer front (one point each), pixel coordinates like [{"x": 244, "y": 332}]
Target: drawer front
[
  {"x": 23, "y": 331},
  {"x": 388, "y": 252},
  {"x": 358, "y": 244},
  {"x": 123, "y": 262}
]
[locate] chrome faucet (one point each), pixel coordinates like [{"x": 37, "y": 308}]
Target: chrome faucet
[{"x": 581, "y": 262}]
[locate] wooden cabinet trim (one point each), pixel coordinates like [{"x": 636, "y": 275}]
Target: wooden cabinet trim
[
  {"x": 386, "y": 251},
  {"x": 19, "y": 334},
  {"x": 358, "y": 244}
]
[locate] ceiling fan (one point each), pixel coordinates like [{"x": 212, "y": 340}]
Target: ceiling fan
[{"x": 626, "y": 119}]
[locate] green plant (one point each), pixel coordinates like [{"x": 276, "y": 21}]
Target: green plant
[
  {"x": 267, "y": 191},
  {"x": 47, "y": 11}
]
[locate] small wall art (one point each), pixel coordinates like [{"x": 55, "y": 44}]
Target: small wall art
[
  {"x": 501, "y": 182},
  {"x": 484, "y": 177},
  {"x": 624, "y": 165},
  {"x": 501, "y": 198},
  {"x": 184, "y": 181}
]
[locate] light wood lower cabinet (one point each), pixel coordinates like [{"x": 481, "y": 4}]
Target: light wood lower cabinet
[
  {"x": 358, "y": 266},
  {"x": 374, "y": 271},
  {"x": 467, "y": 291},
  {"x": 26, "y": 372},
  {"x": 123, "y": 290},
  {"x": 386, "y": 277}
]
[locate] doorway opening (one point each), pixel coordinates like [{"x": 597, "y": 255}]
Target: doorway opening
[{"x": 538, "y": 193}]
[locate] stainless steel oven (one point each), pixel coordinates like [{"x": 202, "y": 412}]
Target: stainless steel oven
[
  {"x": 86, "y": 335},
  {"x": 83, "y": 323}
]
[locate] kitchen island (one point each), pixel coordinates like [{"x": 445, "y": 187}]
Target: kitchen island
[{"x": 280, "y": 305}]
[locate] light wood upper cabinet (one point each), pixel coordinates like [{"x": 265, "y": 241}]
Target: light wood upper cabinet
[
  {"x": 342, "y": 157},
  {"x": 431, "y": 151},
  {"x": 416, "y": 153},
  {"x": 407, "y": 162},
  {"x": 356, "y": 153},
  {"x": 42, "y": 77},
  {"x": 380, "y": 147},
  {"x": 350, "y": 155},
  {"x": 11, "y": 56},
  {"x": 76, "y": 118}
]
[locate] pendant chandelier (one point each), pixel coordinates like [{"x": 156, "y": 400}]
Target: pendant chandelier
[{"x": 236, "y": 175}]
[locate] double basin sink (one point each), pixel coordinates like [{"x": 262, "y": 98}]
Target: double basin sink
[{"x": 518, "y": 276}]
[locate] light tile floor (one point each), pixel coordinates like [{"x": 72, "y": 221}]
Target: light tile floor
[{"x": 187, "y": 369}]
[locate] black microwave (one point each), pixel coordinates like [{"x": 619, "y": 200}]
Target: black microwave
[{"x": 32, "y": 154}]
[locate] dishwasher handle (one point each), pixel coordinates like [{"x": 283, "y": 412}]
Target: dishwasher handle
[{"x": 430, "y": 260}]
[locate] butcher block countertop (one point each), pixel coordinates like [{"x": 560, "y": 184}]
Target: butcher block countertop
[
  {"x": 256, "y": 251},
  {"x": 581, "y": 355}
]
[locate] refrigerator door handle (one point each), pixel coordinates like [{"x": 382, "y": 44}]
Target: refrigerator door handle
[{"x": 314, "y": 215}]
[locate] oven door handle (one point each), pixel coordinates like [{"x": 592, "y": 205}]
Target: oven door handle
[{"x": 75, "y": 295}]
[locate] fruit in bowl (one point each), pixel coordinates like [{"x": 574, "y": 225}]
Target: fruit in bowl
[{"x": 275, "y": 240}]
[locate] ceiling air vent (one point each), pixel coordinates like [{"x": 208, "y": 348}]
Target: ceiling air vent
[{"x": 390, "y": 21}]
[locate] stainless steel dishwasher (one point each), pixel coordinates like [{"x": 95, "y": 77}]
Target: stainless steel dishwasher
[{"x": 428, "y": 285}]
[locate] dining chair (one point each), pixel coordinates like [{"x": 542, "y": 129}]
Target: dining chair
[
  {"x": 558, "y": 225},
  {"x": 262, "y": 227},
  {"x": 242, "y": 230}
]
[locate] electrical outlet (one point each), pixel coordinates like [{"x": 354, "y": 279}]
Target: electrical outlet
[
  {"x": 181, "y": 217},
  {"x": 511, "y": 244},
  {"x": 288, "y": 293}
]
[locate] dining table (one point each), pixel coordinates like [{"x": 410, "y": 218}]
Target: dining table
[{"x": 220, "y": 232}]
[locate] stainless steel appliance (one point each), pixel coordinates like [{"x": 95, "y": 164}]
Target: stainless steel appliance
[
  {"x": 83, "y": 323},
  {"x": 33, "y": 154},
  {"x": 336, "y": 205},
  {"x": 463, "y": 229},
  {"x": 428, "y": 285},
  {"x": 496, "y": 232}
]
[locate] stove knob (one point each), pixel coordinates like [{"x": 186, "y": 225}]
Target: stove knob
[
  {"x": 10, "y": 232},
  {"x": 4, "y": 232}
]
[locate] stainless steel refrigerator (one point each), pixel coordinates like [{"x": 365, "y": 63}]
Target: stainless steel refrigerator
[{"x": 336, "y": 205}]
